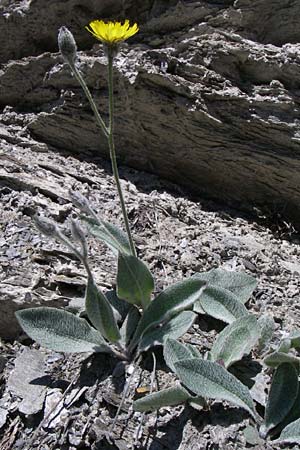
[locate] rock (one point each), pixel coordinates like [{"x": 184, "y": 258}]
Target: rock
[
  {"x": 28, "y": 383},
  {"x": 291, "y": 266},
  {"x": 210, "y": 88}
]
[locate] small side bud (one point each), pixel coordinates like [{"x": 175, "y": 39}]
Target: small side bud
[
  {"x": 45, "y": 226},
  {"x": 67, "y": 45}
]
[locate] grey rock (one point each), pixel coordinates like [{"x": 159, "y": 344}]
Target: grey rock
[
  {"x": 3, "y": 416},
  {"x": 210, "y": 87},
  {"x": 24, "y": 380}
]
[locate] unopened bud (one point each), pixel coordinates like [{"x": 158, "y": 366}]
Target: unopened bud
[
  {"x": 77, "y": 232},
  {"x": 79, "y": 235},
  {"x": 45, "y": 226},
  {"x": 67, "y": 45},
  {"x": 80, "y": 201}
]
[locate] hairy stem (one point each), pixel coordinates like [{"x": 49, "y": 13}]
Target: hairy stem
[
  {"x": 113, "y": 153},
  {"x": 86, "y": 90}
]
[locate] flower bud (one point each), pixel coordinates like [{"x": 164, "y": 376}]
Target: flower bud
[
  {"x": 45, "y": 226},
  {"x": 79, "y": 235},
  {"x": 80, "y": 201},
  {"x": 67, "y": 45},
  {"x": 77, "y": 232}
]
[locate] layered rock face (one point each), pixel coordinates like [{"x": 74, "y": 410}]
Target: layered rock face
[{"x": 207, "y": 93}]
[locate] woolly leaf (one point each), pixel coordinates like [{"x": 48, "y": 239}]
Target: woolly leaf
[
  {"x": 295, "y": 339},
  {"x": 294, "y": 414},
  {"x": 113, "y": 237},
  {"x": 175, "y": 351},
  {"x": 239, "y": 283},
  {"x": 129, "y": 325},
  {"x": 284, "y": 346},
  {"x": 221, "y": 304},
  {"x": 166, "y": 397},
  {"x": 134, "y": 280},
  {"x": 120, "y": 307},
  {"x": 61, "y": 331},
  {"x": 194, "y": 351},
  {"x": 169, "y": 303},
  {"x": 174, "y": 328},
  {"x": 283, "y": 391},
  {"x": 290, "y": 434},
  {"x": 100, "y": 312},
  {"x": 236, "y": 340},
  {"x": 276, "y": 358},
  {"x": 210, "y": 380},
  {"x": 267, "y": 328}
]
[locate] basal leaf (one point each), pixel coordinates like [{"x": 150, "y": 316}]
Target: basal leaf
[
  {"x": 175, "y": 351},
  {"x": 283, "y": 391},
  {"x": 295, "y": 339},
  {"x": 134, "y": 280},
  {"x": 120, "y": 307},
  {"x": 113, "y": 237},
  {"x": 210, "y": 380},
  {"x": 174, "y": 328},
  {"x": 236, "y": 340},
  {"x": 166, "y": 397},
  {"x": 169, "y": 303},
  {"x": 61, "y": 331},
  {"x": 290, "y": 434},
  {"x": 294, "y": 414},
  {"x": 267, "y": 328},
  {"x": 284, "y": 346},
  {"x": 194, "y": 351},
  {"x": 100, "y": 312},
  {"x": 239, "y": 283},
  {"x": 221, "y": 304},
  {"x": 129, "y": 325},
  {"x": 276, "y": 358}
]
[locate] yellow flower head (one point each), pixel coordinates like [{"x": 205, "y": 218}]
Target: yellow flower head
[{"x": 112, "y": 33}]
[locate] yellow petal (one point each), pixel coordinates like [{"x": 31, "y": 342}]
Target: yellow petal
[{"x": 112, "y": 32}]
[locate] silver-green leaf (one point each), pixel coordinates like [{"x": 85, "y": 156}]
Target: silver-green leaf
[
  {"x": 239, "y": 283},
  {"x": 276, "y": 358},
  {"x": 170, "y": 302},
  {"x": 134, "y": 280},
  {"x": 114, "y": 237},
  {"x": 166, "y": 397},
  {"x": 282, "y": 395},
  {"x": 294, "y": 413},
  {"x": 290, "y": 434},
  {"x": 175, "y": 351},
  {"x": 236, "y": 340},
  {"x": 129, "y": 325},
  {"x": 267, "y": 328},
  {"x": 220, "y": 304},
  {"x": 100, "y": 312},
  {"x": 210, "y": 380},
  {"x": 295, "y": 339},
  {"x": 194, "y": 351},
  {"x": 61, "y": 331},
  {"x": 175, "y": 327}
]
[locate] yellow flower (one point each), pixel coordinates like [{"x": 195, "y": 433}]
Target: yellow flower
[{"x": 112, "y": 33}]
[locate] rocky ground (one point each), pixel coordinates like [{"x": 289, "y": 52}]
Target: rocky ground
[
  {"x": 177, "y": 236},
  {"x": 212, "y": 86}
]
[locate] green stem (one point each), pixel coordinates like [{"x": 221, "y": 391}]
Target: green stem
[
  {"x": 86, "y": 90},
  {"x": 81, "y": 257},
  {"x": 112, "y": 151}
]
